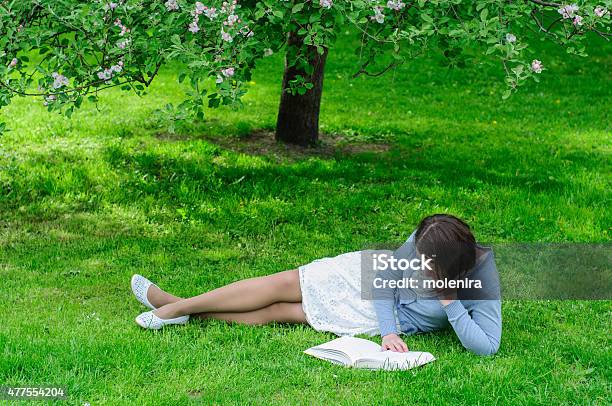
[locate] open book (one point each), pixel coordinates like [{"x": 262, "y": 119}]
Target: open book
[{"x": 360, "y": 353}]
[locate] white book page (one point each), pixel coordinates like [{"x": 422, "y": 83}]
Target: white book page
[
  {"x": 352, "y": 347},
  {"x": 337, "y": 357},
  {"x": 394, "y": 360}
]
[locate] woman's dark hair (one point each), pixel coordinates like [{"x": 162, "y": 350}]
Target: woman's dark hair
[{"x": 449, "y": 242}]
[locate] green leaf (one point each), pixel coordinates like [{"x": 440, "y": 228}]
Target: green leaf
[
  {"x": 214, "y": 102},
  {"x": 297, "y": 8},
  {"x": 484, "y": 13}
]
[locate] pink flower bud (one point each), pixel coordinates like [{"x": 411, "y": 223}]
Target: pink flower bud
[{"x": 536, "y": 66}]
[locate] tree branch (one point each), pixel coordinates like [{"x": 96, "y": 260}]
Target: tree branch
[
  {"x": 67, "y": 91},
  {"x": 545, "y": 3},
  {"x": 363, "y": 71}
]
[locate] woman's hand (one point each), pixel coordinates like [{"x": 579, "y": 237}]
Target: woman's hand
[
  {"x": 448, "y": 297},
  {"x": 394, "y": 343}
]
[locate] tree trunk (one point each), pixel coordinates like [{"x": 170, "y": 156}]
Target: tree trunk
[{"x": 298, "y": 115}]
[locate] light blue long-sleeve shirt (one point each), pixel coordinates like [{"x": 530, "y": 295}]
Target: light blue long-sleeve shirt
[{"x": 477, "y": 323}]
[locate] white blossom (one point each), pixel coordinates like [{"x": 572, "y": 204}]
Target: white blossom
[
  {"x": 171, "y": 5},
  {"x": 105, "y": 75},
  {"x": 59, "y": 80},
  {"x": 396, "y": 4},
  {"x": 536, "y": 66},
  {"x": 226, "y": 36},
  {"x": 568, "y": 11},
  {"x": 211, "y": 13},
  {"x": 600, "y": 11},
  {"x": 577, "y": 20},
  {"x": 199, "y": 8},
  {"x": 117, "y": 68},
  {"x": 326, "y": 3},
  {"x": 378, "y": 16},
  {"x": 193, "y": 27},
  {"x": 123, "y": 43},
  {"x": 49, "y": 99}
]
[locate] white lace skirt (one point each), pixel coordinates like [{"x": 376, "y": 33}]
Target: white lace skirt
[{"x": 331, "y": 296}]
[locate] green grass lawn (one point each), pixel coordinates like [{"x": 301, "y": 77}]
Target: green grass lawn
[{"x": 87, "y": 202}]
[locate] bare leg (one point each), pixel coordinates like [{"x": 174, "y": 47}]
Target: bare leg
[
  {"x": 281, "y": 312},
  {"x": 158, "y": 297},
  {"x": 239, "y": 297},
  {"x": 278, "y": 312}
]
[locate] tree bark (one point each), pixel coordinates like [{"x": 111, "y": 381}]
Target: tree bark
[{"x": 298, "y": 115}]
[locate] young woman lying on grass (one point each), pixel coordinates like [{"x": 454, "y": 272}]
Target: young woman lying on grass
[{"x": 326, "y": 294}]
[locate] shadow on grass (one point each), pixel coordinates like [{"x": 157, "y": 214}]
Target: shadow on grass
[
  {"x": 184, "y": 177},
  {"x": 340, "y": 162}
]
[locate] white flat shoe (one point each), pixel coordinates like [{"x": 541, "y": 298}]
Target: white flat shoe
[
  {"x": 140, "y": 287},
  {"x": 150, "y": 321}
]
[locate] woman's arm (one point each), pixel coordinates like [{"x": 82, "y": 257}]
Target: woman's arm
[
  {"x": 384, "y": 298},
  {"x": 479, "y": 330},
  {"x": 384, "y": 303}
]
